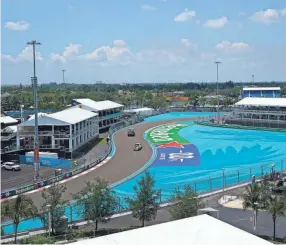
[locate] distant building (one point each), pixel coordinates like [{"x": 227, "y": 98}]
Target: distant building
[
  {"x": 109, "y": 112},
  {"x": 177, "y": 100},
  {"x": 263, "y": 92}
]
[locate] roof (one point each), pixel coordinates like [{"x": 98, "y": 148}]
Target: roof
[
  {"x": 271, "y": 102},
  {"x": 7, "y": 120},
  {"x": 10, "y": 129},
  {"x": 140, "y": 109},
  {"x": 198, "y": 230},
  {"x": 73, "y": 115},
  {"x": 261, "y": 88},
  {"x": 66, "y": 117},
  {"x": 98, "y": 105},
  {"x": 40, "y": 114}
]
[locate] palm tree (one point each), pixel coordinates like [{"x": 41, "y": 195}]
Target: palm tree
[
  {"x": 276, "y": 207},
  {"x": 18, "y": 209},
  {"x": 251, "y": 199}
]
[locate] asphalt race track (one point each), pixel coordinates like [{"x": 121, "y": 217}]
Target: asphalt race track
[{"x": 124, "y": 162}]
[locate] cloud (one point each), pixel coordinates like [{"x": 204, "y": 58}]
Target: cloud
[
  {"x": 17, "y": 26},
  {"x": 148, "y": 7},
  {"x": 216, "y": 23},
  {"x": 208, "y": 56},
  {"x": 70, "y": 50},
  {"x": 188, "y": 44},
  {"x": 25, "y": 55},
  {"x": 227, "y": 46},
  {"x": 283, "y": 12},
  {"x": 118, "y": 53},
  {"x": 185, "y": 16},
  {"x": 267, "y": 17}
]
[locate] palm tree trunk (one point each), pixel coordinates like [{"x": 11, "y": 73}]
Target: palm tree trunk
[
  {"x": 16, "y": 233},
  {"x": 96, "y": 225},
  {"x": 274, "y": 227},
  {"x": 143, "y": 222}
]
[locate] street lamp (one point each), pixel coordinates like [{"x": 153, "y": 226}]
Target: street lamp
[
  {"x": 237, "y": 176},
  {"x": 210, "y": 182},
  {"x": 217, "y": 79},
  {"x": 272, "y": 168},
  {"x": 255, "y": 216},
  {"x": 223, "y": 182},
  {"x": 262, "y": 173},
  {"x": 21, "y": 111},
  {"x": 252, "y": 79},
  {"x": 49, "y": 218},
  {"x": 36, "y": 136}
]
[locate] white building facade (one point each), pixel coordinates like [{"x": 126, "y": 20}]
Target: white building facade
[
  {"x": 109, "y": 112},
  {"x": 66, "y": 130}
]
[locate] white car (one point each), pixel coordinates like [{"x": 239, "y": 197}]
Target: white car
[{"x": 11, "y": 166}]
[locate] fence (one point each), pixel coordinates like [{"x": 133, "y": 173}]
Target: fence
[{"x": 226, "y": 179}]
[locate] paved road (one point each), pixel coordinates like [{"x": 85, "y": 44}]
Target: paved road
[
  {"x": 124, "y": 162},
  {"x": 11, "y": 179}
]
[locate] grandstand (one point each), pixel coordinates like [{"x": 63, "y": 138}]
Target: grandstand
[
  {"x": 258, "y": 112},
  {"x": 264, "y": 92}
]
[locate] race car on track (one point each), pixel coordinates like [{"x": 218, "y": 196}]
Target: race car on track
[
  {"x": 137, "y": 147},
  {"x": 131, "y": 132}
]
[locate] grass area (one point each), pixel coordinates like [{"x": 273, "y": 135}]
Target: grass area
[{"x": 102, "y": 141}]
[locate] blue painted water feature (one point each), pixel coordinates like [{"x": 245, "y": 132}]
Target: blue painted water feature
[{"x": 219, "y": 148}]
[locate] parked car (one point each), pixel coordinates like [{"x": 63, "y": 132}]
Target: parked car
[
  {"x": 11, "y": 166},
  {"x": 131, "y": 132},
  {"x": 137, "y": 147}
]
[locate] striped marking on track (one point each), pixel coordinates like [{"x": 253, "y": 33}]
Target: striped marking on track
[{"x": 62, "y": 181}]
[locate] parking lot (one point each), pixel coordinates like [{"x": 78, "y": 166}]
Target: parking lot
[{"x": 11, "y": 179}]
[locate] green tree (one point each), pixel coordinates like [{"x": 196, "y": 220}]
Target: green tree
[
  {"x": 251, "y": 198},
  {"x": 98, "y": 202},
  {"x": 276, "y": 207},
  {"x": 144, "y": 205},
  {"x": 18, "y": 209},
  {"x": 187, "y": 203},
  {"x": 53, "y": 203}
]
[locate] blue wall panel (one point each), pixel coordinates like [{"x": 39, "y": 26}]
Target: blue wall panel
[{"x": 47, "y": 162}]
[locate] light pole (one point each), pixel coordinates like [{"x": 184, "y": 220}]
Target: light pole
[
  {"x": 21, "y": 111},
  {"x": 64, "y": 86},
  {"x": 223, "y": 184},
  {"x": 217, "y": 79},
  {"x": 252, "y": 79},
  {"x": 36, "y": 136},
  {"x": 49, "y": 218},
  {"x": 237, "y": 176}
]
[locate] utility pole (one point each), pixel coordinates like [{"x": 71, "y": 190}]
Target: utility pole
[
  {"x": 64, "y": 87},
  {"x": 36, "y": 136},
  {"x": 217, "y": 79}
]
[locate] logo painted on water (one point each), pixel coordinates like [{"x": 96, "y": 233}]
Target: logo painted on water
[{"x": 175, "y": 154}]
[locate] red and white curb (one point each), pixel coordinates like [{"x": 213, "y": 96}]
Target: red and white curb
[{"x": 62, "y": 181}]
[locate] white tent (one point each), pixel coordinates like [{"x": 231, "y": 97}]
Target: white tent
[{"x": 199, "y": 230}]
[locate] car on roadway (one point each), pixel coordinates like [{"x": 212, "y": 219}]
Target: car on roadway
[
  {"x": 137, "y": 147},
  {"x": 131, "y": 132},
  {"x": 11, "y": 166}
]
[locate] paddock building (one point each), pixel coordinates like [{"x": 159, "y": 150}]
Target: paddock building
[
  {"x": 64, "y": 131},
  {"x": 109, "y": 112}
]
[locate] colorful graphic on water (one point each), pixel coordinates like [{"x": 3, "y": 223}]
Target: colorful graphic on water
[
  {"x": 175, "y": 154},
  {"x": 167, "y": 133},
  {"x": 172, "y": 149}
]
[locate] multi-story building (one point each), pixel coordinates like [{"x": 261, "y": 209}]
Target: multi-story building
[
  {"x": 258, "y": 112},
  {"x": 264, "y": 92},
  {"x": 109, "y": 112},
  {"x": 64, "y": 131}
]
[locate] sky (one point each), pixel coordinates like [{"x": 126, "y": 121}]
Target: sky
[{"x": 137, "y": 41}]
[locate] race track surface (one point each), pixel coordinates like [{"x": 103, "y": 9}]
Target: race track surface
[{"x": 124, "y": 162}]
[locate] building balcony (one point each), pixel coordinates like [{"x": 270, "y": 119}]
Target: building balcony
[{"x": 117, "y": 114}]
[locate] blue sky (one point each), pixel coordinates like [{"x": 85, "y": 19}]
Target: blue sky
[{"x": 144, "y": 41}]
